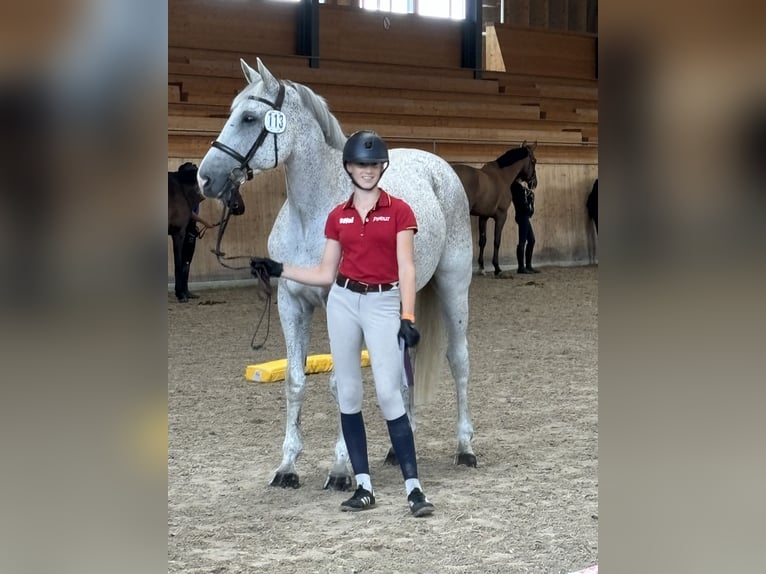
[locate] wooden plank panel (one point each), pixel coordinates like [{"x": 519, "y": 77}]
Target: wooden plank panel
[
  {"x": 213, "y": 126},
  {"x": 547, "y": 53},
  {"x": 196, "y": 146},
  {"x": 254, "y": 26},
  {"x": 353, "y": 35},
  {"x": 404, "y": 132},
  {"x": 311, "y": 76}
]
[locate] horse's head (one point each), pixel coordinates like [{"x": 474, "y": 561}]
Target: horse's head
[
  {"x": 186, "y": 175},
  {"x": 529, "y": 170},
  {"x": 257, "y": 135}
]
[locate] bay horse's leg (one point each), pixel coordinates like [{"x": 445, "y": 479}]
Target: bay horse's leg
[
  {"x": 295, "y": 317},
  {"x": 178, "y": 242},
  {"x": 454, "y": 300},
  {"x": 482, "y": 242},
  {"x": 499, "y": 224},
  {"x": 339, "y": 477}
]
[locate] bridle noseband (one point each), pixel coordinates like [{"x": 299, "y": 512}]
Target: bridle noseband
[{"x": 244, "y": 172}]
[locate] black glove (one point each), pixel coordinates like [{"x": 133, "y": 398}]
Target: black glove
[
  {"x": 261, "y": 265},
  {"x": 409, "y": 333}
]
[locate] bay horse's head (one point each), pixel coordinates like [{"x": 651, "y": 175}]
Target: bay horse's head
[
  {"x": 187, "y": 175},
  {"x": 520, "y": 163},
  {"x": 529, "y": 170}
]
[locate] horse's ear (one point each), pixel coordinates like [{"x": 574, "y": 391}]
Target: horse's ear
[
  {"x": 523, "y": 144},
  {"x": 533, "y": 146},
  {"x": 268, "y": 79},
  {"x": 250, "y": 74}
]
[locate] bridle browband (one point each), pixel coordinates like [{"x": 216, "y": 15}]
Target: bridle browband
[{"x": 244, "y": 172}]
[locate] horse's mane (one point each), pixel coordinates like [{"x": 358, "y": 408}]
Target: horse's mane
[
  {"x": 512, "y": 156},
  {"x": 333, "y": 134}
]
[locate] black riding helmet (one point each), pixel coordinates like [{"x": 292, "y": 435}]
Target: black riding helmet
[{"x": 365, "y": 146}]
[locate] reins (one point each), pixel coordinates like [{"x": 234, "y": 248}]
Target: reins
[{"x": 264, "y": 281}]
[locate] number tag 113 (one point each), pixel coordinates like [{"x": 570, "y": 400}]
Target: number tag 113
[{"x": 275, "y": 122}]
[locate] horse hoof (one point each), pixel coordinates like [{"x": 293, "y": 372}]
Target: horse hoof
[
  {"x": 391, "y": 458},
  {"x": 466, "y": 458},
  {"x": 285, "y": 480},
  {"x": 338, "y": 482}
]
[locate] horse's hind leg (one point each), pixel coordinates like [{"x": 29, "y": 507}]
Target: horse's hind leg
[
  {"x": 482, "y": 242},
  {"x": 454, "y": 299}
]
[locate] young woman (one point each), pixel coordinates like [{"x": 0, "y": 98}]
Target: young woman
[
  {"x": 369, "y": 261},
  {"x": 524, "y": 205}
]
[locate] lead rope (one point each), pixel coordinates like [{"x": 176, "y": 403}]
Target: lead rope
[{"x": 264, "y": 282}]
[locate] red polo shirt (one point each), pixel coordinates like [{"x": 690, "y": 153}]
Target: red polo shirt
[{"x": 368, "y": 248}]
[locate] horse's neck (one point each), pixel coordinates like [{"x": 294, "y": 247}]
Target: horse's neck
[
  {"x": 313, "y": 187},
  {"x": 510, "y": 173}
]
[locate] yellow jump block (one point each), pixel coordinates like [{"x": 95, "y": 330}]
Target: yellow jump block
[{"x": 274, "y": 371}]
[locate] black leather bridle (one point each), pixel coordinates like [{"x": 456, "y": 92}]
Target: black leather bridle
[{"x": 244, "y": 172}]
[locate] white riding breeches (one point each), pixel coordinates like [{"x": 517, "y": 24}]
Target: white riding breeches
[{"x": 374, "y": 319}]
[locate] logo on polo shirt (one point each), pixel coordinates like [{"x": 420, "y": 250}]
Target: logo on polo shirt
[
  {"x": 346, "y": 220},
  {"x": 381, "y": 218}
]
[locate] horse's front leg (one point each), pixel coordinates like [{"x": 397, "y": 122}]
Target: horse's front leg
[
  {"x": 339, "y": 476},
  {"x": 295, "y": 319}
]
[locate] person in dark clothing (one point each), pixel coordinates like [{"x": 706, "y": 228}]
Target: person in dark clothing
[
  {"x": 187, "y": 253},
  {"x": 524, "y": 205},
  {"x": 592, "y": 204},
  {"x": 183, "y": 216}
]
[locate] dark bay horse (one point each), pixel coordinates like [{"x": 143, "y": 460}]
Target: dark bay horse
[
  {"x": 184, "y": 195},
  {"x": 489, "y": 191}
]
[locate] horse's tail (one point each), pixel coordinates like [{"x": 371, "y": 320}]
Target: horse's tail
[{"x": 431, "y": 350}]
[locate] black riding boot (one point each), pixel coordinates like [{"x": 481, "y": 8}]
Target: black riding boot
[
  {"x": 528, "y": 254},
  {"x": 520, "y": 259},
  {"x": 182, "y": 282}
]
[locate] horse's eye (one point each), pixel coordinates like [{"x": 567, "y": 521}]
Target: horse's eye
[{"x": 248, "y": 119}]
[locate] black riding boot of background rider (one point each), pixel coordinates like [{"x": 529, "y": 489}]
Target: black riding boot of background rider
[
  {"x": 528, "y": 255},
  {"x": 520, "y": 259},
  {"x": 187, "y": 253}
]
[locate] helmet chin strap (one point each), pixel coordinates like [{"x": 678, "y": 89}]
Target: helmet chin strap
[{"x": 375, "y": 185}]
